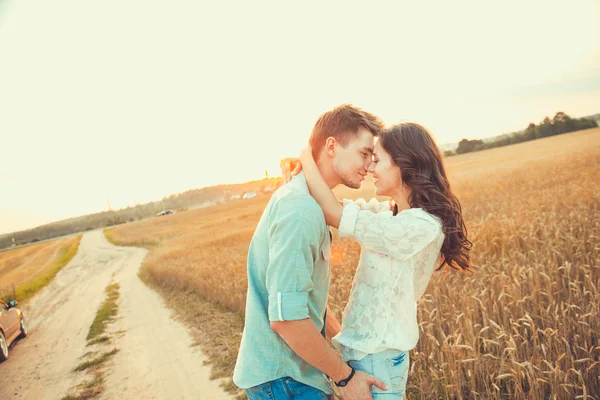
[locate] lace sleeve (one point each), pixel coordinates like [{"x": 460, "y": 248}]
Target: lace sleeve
[
  {"x": 372, "y": 205},
  {"x": 427, "y": 266},
  {"x": 401, "y": 236}
]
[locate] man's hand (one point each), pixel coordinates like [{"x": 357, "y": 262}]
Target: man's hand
[{"x": 359, "y": 387}]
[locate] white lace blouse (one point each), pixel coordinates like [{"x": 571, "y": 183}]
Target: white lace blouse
[{"x": 399, "y": 254}]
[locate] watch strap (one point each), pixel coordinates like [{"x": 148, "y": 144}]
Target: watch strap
[{"x": 344, "y": 382}]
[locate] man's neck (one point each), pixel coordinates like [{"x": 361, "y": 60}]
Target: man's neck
[{"x": 328, "y": 173}]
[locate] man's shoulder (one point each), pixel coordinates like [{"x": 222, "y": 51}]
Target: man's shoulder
[
  {"x": 296, "y": 204},
  {"x": 296, "y": 201}
]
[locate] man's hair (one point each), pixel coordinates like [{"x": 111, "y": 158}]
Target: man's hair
[{"x": 342, "y": 123}]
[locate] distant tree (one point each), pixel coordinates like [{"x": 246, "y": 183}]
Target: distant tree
[
  {"x": 560, "y": 117},
  {"x": 561, "y": 123},
  {"x": 467, "y": 146},
  {"x": 531, "y": 131},
  {"x": 546, "y": 129}
]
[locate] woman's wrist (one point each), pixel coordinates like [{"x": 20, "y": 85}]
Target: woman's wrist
[{"x": 306, "y": 157}]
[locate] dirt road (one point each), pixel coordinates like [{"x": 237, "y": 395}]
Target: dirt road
[{"x": 156, "y": 358}]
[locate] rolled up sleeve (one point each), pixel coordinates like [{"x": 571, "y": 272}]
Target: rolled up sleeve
[
  {"x": 294, "y": 241},
  {"x": 288, "y": 306}
]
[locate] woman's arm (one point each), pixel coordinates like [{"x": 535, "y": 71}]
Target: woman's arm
[
  {"x": 320, "y": 191},
  {"x": 332, "y": 325},
  {"x": 401, "y": 236}
]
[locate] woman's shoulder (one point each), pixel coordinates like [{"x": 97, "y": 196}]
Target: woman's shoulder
[{"x": 421, "y": 216}]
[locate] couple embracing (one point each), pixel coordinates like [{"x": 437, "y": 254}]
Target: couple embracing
[{"x": 285, "y": 353}]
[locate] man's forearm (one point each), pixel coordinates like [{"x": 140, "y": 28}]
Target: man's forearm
[{"x": 303, "y": 337}]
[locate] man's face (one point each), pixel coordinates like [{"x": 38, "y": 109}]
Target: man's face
[{"x": 351, "y": 163}]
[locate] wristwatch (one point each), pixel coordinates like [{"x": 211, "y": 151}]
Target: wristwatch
[{"x": 344, "y": 382}]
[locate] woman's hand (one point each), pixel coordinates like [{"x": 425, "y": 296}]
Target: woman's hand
[{"x": 290, "y": 167}]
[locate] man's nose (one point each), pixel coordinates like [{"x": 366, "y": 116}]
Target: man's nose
[{"x": 370, "y": 167}]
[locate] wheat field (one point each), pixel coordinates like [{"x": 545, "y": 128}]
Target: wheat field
[
  {"x": 524, "y": 325},
  {"x": 26, "y": 270}
]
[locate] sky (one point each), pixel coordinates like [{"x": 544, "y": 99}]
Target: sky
[{"x": 129, "y": 101}]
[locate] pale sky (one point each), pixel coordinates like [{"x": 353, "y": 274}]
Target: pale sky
[{"x": 136, "y": 100}]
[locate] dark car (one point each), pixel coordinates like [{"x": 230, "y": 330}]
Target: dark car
[
  {"x": 165, "y": 212},
  {"x": 12, "y": 326}
]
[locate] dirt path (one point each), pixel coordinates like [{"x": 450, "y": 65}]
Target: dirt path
[{"x": 156, "y": 358}]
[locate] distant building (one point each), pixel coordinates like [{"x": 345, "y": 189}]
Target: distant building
[{"x": 249, "y": 195}]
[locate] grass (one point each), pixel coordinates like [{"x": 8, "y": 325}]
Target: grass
[
  {"x": 25, "y": 271},
  {"x": 525, "y": 325},
  {"x": 142, "y": 242},
  {"x": 105, "y": 315},
  {"x": 96, "y": 362},
  {"x": 90, "y": 393},
  {"x": 93, "y": 388},
  {"x": 96, "y": 336},
  {"x": 89, "y": 390},
  {"x": 98, "y": 340}
]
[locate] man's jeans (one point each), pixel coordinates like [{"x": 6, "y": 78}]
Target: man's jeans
[{"x": 285, "y": 388}]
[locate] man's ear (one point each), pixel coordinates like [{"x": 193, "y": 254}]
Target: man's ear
[{"x": 330, "y": 145}]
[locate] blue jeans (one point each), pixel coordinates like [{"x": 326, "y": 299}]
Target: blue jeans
[
  {"x": 391, "y": 367},
  {"x": 285, "y": 388}
]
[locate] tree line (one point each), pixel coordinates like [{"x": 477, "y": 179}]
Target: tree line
[
  {"x": 561, "y": 123},
  {"x": 176, "y": 202}
]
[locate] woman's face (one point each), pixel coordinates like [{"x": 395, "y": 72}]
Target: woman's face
[{"x": 386, "y": 175}]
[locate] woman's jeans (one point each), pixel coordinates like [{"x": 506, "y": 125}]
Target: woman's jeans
[
  {"x": 390, "y": 367},
  {"x": 285, "y": 389}
]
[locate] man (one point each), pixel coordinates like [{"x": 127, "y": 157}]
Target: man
[{"x": 284, "y": 353}]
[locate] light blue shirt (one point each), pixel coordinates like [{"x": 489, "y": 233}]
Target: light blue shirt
[{"x": 288, "y": 279}]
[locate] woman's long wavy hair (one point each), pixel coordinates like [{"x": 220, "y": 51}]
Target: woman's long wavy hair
[{"x": 412, "y": 148}]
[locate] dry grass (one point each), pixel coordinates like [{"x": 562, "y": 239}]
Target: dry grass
[
  {"x": 105, "y": 315},
  {"x": 26, "y": 270},
  {"x": 524, "y": 325},
  {"x": 98, "y": 361}
]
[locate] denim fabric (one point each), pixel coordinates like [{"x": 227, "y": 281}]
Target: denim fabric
[
  {"x": 391, "y": 367},
  {"x": 285, "y": 388},
  {"x": 288, "y": 279}
]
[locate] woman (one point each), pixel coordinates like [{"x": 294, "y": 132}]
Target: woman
[{"x": 402, "y": 244}]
